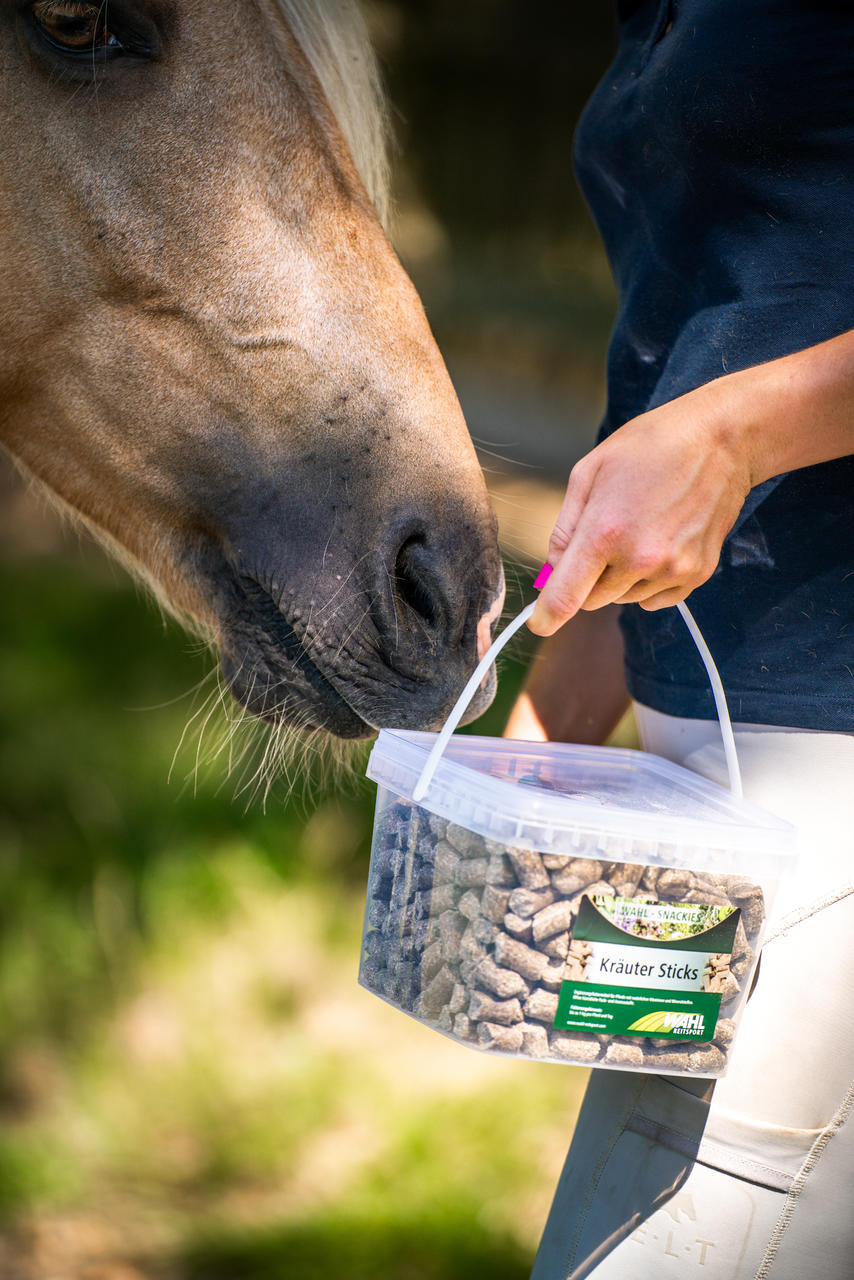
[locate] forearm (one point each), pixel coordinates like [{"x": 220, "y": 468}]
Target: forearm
[
  {"x": 646, "y": 512},
  {"x": 792, "y": 412},
  {"x": 575, "y": 691}
]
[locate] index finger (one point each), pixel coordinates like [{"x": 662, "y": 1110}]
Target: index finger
[{"x": 567, "y": 587}]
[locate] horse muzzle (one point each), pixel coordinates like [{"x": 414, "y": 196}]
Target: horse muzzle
[{"x": 387, "y": 642}]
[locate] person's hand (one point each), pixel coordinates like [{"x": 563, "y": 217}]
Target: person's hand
[{"x": 646, "y": 512}]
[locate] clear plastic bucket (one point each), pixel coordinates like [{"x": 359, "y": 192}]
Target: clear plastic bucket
[{"x": 569, "y": 904}]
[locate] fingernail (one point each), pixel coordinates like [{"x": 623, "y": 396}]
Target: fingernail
[{"x": 542, "y": 577}]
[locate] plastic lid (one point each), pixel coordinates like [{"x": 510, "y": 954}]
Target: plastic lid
[{"x": 545, "y": 794}]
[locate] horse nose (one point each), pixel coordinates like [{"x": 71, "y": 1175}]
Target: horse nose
[
  {"x": 438, "y": 584},
  {"x": 419, "y": 590}
]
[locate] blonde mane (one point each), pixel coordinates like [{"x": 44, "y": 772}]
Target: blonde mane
[{"x": 335, "y": 40}]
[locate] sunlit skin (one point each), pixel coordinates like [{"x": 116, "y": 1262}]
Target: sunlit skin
[
  {"x": 646, "y": 512},
  {"x": 645, "y": 515}
]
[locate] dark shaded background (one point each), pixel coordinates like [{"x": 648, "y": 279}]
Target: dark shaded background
[
  {"x": 486, "y": 102},
  {"x": 191, "y": 1085}
]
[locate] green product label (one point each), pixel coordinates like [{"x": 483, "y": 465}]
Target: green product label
[
  {"x": 647, "y": 968},
  {"x": 637, "y": 1011}
]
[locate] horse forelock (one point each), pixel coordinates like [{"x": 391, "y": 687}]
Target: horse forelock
[{"x": 335, "y": 41}]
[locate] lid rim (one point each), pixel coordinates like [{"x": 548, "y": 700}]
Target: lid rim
[{"x": 562, "y": 812}]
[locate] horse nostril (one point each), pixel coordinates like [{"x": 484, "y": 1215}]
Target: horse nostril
[{"x": 414, "y": 584}]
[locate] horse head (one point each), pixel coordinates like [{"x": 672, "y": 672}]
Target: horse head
[{"x": 210, "y": 353}]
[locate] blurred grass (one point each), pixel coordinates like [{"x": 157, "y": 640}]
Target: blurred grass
[
  {"x": 192, "y": 1085},
  {"x": 449, "y": 1248}
]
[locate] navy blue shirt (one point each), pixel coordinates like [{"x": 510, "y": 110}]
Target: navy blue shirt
[{"x": 717, "y": 156}]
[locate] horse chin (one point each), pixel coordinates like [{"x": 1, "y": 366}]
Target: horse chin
[
  {"x": 275, "y": 672},
  {"x": 270, "y": 672},
  {"x": 324, "y": 709},
  {"x": 315, "y": 706},
  {"x": 309, "y": 699},
  {"x": 319, "y": 706}
]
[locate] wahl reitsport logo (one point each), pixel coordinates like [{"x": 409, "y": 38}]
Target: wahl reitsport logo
[{"x": 675, "y": 1024}]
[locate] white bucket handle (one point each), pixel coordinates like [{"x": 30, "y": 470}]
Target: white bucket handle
[{"x": 456, "y": 714}]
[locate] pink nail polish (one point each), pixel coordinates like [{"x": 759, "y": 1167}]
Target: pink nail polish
[{"x": 542, "y": 577}]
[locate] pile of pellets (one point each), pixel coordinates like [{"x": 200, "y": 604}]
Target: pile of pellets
[{"x": 474, "y": 937}]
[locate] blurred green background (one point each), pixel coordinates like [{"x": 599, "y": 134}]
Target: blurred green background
[{"x": 192, "y": 1085}]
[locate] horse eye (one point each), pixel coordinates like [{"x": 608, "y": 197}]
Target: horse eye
[{"x": 75, "y": 27}]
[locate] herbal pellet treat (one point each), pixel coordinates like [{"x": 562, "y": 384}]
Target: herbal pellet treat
[{"x": 629, "y": 965}]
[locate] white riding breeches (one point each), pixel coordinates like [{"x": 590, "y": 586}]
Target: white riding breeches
[{"x": 750, "y": 1177}]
